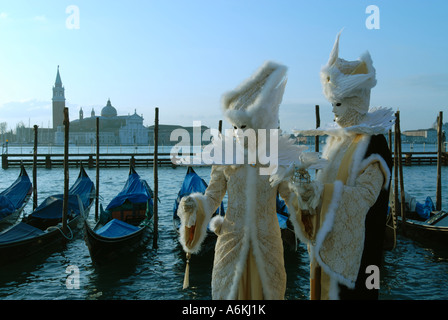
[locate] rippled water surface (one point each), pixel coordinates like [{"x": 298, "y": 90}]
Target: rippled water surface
[{"x": 413, "y": 270}]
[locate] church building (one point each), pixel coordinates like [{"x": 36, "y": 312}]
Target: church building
[
  {"x": 58, "y": 102},
  {"x": 113, "y": 129}
]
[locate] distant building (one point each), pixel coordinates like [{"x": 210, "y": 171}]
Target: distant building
[
  {"x": 58, "y": 102},
  {"x": 113, "y": 129},
  {"x": 165, "y": 135},
  {"x": 133, "y": 132},
  {"x": 420, "y": 136}
]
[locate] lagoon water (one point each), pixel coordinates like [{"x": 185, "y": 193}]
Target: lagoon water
[{"x": 412, "y": 271}]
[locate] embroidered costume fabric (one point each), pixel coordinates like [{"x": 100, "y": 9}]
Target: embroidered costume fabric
[
  {"x": 347, "y": 234},
  {"x": 250, "y": 225},
  {"x": 248, "y": 261}
]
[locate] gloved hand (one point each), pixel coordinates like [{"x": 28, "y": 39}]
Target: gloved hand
[
  {"x": 309, "y": 194},
  {"x": 187, "y": 212}
]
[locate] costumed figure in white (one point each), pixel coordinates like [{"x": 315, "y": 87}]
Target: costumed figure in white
[
  {"x": 248, "y": 260},
  {"x": 344, "y": 210}
]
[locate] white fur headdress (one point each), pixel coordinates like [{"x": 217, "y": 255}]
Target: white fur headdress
[
  {"x": 348, "y": 80},
  {"x": 255, "y": 102}
]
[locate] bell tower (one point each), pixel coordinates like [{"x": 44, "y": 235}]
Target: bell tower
[{"x": 58, "y": 102}]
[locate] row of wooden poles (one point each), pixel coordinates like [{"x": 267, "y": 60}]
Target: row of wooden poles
[
  {"x": 398, "y": 169},
  {"x": 66, "y": 172}
]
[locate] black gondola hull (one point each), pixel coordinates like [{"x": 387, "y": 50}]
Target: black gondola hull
[
  {"x": 423, "y": 231},
  {"x": 104, "y": 249},
  {"x": 15, "y": 251},
  {"x": 128, "y": 208},
  {"x": 42, "y": 229}
]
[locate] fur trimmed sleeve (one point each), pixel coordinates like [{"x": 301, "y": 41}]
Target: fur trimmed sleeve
[
  {"x": 192, "y": 236},
  {"x": 340, "y": 239}
]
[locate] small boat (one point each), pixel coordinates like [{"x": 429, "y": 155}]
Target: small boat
[
  {"x": 194, "y": 183},
  {"x": 14, "y": 199},
  {"x": 125, "y": 224},
  {"x": 433, "y": 229},
  {"x": 422, "y": 221},
  {"x": 43, "y": 227}
]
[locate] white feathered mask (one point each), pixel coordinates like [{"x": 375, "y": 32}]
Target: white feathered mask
[
  {"x": 255, "y": 102},
  {"x": 348, "y": 81}
]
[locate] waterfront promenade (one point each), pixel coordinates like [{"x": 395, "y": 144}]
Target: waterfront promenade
[{"x": 119, "y": 159}]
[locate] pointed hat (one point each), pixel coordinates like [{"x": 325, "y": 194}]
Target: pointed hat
[
  {"x": 353, "y": 80},
  {"x": 256, "y": 101}
]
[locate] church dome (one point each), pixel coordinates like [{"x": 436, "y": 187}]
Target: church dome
[{"x": 109, "y": 110}]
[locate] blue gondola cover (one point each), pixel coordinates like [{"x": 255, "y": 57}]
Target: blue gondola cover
[
  {"x": 116, "y": 228},
  {"x": 6, "y": 206},
  {"x": 20, "y": 231},
  {"x": 192, "y": 183},
  {"x": 83, "y": 187},
  {"x": 282, "y": 221},
  {"x": 51, "y": 208},
  {"x": 134, "y": 191},
  {"x": 281, "y": 206},
  {"x": 424, "y": 209},
  {"x": 12, "y": 198},
  {"x": 282, "y": 212}
]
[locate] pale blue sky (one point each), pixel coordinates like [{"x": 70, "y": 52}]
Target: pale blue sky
[{"x": 181, "y": 56}]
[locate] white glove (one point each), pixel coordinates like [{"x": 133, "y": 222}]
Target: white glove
[
  {"x": 309, "y": 194},
  {"x": 187, "y": 212},
  {"x": 282, "y": 174}
]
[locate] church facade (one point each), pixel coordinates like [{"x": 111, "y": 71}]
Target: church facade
[{"x": 114, "y": 129}]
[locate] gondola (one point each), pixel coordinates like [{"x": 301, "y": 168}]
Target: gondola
[
  {"x": 433, "y": 229},
  {"x": 125, "y": 225},
  {"x": 43, "y": 227},
  {"x": 423, "y": 222},
  {"x": 14, "y": 199}
]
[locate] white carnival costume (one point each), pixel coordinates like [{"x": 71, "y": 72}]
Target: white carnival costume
[
  {"x": 248, "y": 262},
  {"x": 352, "y": 191}
]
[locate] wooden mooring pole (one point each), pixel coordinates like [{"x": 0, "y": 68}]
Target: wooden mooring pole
[
  {"x": 97, "y": 189},
  {"x": 315, "y": 268},
  {"x": 35, "y": 169},
  {"x": 400, "y": 170},
  {"x": 156, "y": 179},
  {"x": 316, "y": 138},
  {"x": 66, "y": 172},
  {"x": 390, "y": 140},
  {"x": 396, "y": 160},
  {"x": 439, "y": 162}
]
